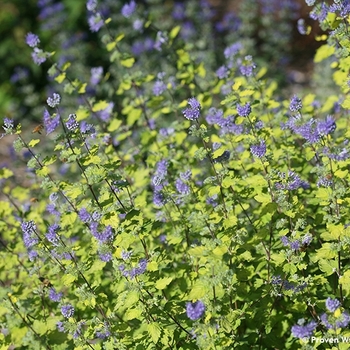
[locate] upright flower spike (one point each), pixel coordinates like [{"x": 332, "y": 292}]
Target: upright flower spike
[
  {"x": 193, "y": 111},
  {"x": 32, "y": 40},
  {"x": 245, "y": 110},
  {"x": 50, "y": 124},
  {"x": 332, "y": 304},
  {"x": 129, "y": 9},
  {"x": 295, "y": 104},
  {"x": 300, "y": 331},
  {"x": 72, "y": 123},
  {"x": 54, "y": 100},
  {"x": 95, "y": 22},
  {"x": 258, "y": 150},
  {"x": 195, "y": 310},
  {"x": 91, "y": 5},
  {"x": 67, "y": 310}
]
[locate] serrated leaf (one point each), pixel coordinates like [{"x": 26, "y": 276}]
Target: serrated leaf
[
  {"x": 67, "y": 279},
  {"x": 132, "y": 314},
  {"x": 263, "y": 198},
  {"x": 154, "y": 331},
  {"x": 198, "y": 291},
  {"x": 163, "y": 282},
  {"x": 92, "y": 160},
  {"x": 327, "y": 266}
]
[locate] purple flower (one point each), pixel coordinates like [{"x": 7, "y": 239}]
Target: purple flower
[
  {"x": 285, "y": 241},
  {"x": 161, "y": 172},
  {"x": 332, "y": 304},
  {"x": 245, "y": 110},
  {"x": 104, "y": 236},
  {"x": 60, "y": 326},
  {"x": 138, "y": 25},
  {"x": 178, "y": 11},
  {"x": 295, "y": 245},
  {"x": 181, "y": 187},
  {"x": 158, "y": 199},
  {"x": 192, "y": 112},
  {"x": 302, "y": 27},
  {"x": 195, "y": 310},
  {"x": 186, "y": 175},
  {"x": 295, "y": 104},
  {"x": 39, "y": 56},
  {"x": 129, "y": 9},
  {"x": 125, "y": 255},
  {"x": 306, "y": 239},
  {"x": 91, "y": 5},
  {"x": 54, "y": 100},
  {"x": 232, "y": 50},
  {"x": 222, "y": 72},
  {"x": 343, "y": 320},
  {"x": 301, "y": 332},
  {"x": 247, "y": 67},
  {"x": 67, "y": 310},
  {"x": 258, "y": 150},
  {"x": 95, "y": 22},
  {"x": 96, "y": 75},
  {"x": 52, "y": 234},
  {"x": 72, "y": 123},
  {"x": 214, "y": 116},
  {"x": 29, "y": 237},
  {"x": 105, "y": 114},
  {"x": 326, "y": 127},
  {"x": 193, "y": 102},
  {"x": 84, "y": 215},
  {"x": 55, "y": 296},
  {"x": 50, "y": 124},
  {"x": 32, "y": 40},
  {"x": 8, "y": 124},
  {"x": 159, "y": 87},
  {"x": 105, "y": 256}
]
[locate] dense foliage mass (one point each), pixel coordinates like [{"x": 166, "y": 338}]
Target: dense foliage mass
[{"x": 172, "y": 198}]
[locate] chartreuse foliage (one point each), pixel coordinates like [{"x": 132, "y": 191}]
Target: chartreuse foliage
[{"x": 166, "y": 206}]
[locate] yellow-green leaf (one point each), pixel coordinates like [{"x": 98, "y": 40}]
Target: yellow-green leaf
[
  {"x": 324, "y": 52},
  {"x": 154, "y": 331},
  {"x": 132, "y": 313},
  {"x": 114, "y": 125},
  {"x": 198, "y": 291},
  {"x": 60, "y": 77},
  {"x": 32, "y": 143},
  {"x": 128, "y": 62},
  {"x": 163, "y": 282},
  {"x": 174, "y": 32},
  {"x": 67, "y": 280},
  {"x": 100, "y": 106}
]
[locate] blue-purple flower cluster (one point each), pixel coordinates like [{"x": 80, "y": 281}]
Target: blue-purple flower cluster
[
  {"x": 135, "y": 271},
  {"x": 195, "y": 310}
]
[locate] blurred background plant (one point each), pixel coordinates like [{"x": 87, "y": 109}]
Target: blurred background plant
[{"x": 267, "y": 30}]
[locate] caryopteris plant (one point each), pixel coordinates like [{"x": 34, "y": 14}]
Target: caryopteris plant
[{"x": 169, "y": 202}]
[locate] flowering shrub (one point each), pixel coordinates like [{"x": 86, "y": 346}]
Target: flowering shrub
[{"x": 168, "y": 203}]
